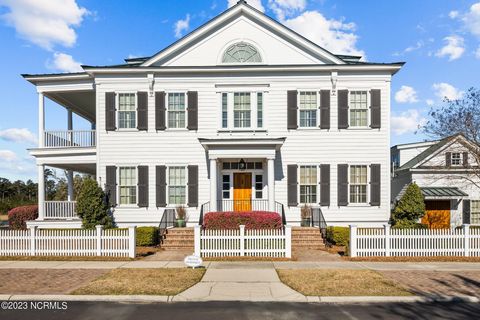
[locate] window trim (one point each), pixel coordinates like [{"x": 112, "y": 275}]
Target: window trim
[
  {"x": 130, "y": 205},
  {"x": 317, "y": 192},
  {"x": 369, "y": 99},
  {"x": 460, "y": 159},
  {"x": 231, "y": 113},
  {"x": 317, "y": 109},
  {"x": 367, "y": 191},
  {"x": 117, "y": 110},
  {"x": 167, "y": 183},
  {"x": 167, "y": 93}
]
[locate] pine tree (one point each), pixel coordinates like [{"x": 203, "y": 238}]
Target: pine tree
[
  {"x": 91, "y": 207},
  {"x": 410, "y": 208}
]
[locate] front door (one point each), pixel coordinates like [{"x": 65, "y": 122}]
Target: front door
[
  {"x": 242, "y": 191},
  {"x": 437, "y": 214}
]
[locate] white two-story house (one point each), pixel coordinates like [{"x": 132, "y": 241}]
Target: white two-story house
[{"x": 240, "y": 114}]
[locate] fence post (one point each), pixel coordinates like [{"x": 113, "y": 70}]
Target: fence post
[
  {"x": 466, "y": 239},
  {"x": 99, "y": 239},
  {"x": 353, "y": 241},
  {"x": 132, "y": 235},
  {"x": 33, "y": 234},
  {"x": 197, "y": 233},
  {"x": 288, "y": 241},
  {"x": 242, "y": 240},
  {"x": 386, "y": 230}
]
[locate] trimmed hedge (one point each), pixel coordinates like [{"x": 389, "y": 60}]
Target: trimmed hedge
[
  {"x": 339, "y": 236},
  {"x": 251, "y": 220},
  {"x": 147, "y": 236},
  {"x": 17, "y": 217}
]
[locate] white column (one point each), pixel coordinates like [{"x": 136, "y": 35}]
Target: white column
[
  {"x": 271, "y": 184},
  {"x": 70, "y": 125},
  {"x": 213, "y": 184},
  {"x": 41, "y": 120},
  {"x": 41, "y": 192},
  {"x": 70, "y": 185}
]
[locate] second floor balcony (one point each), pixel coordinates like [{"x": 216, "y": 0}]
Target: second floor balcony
[{"x": 69, "y": 139}]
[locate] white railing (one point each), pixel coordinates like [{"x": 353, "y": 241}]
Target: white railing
[
  {"x": 242, "y": 242},
  {"x": 464, "y": 241},
  {"x": 60, "y": 210},
  {"x": 69, "y": 138},
  {"x": 68, "y": 242}
]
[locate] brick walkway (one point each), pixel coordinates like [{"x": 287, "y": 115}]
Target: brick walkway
[
  {"x": 45, "y": 281},
  {"x": 438, "y": 282}
]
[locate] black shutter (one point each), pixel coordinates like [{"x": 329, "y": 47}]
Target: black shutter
[
  {"x": 292, "y": 109},
  {"x": 192, "y": 110},
  {"x": 375, "y": 184},
  {"x": 110, "y": 124},
  {"x": 111, "y": 185},
  {"x": 342, "y": 109},
  {"x": 342, "y": 186},
  {"x": 193, "y": 186},
  {"x": 142, "y": 186},
  {"x": 466, "y": 211},
  {"x": 375, "y": 109},
  {"x": 160, "y": 111},
  {"x": 325, "y": 109},
  {"x": 465, "y": 159},
  {"x": 142, "y": 111},
  {"x": 325, "y": 185},
  {"x": 448, "y": 159},
  {"x": 292, "y": 185},
  {"x": 161, "y": 186}
]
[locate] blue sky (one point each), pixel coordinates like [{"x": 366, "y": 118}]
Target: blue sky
[{"x": 439, "y": 40}]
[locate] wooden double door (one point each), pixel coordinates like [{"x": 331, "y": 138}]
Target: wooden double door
[
  {"x": 437, "y": 214},
  {"x": 242, "y": 191}
]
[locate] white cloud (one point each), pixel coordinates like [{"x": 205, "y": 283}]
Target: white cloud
[
  {"x": 477, "y": 53},
  {"x": 446, "y": 90},
  {"x": 19, "y": 135},
  {"x": 429, "y": 102},
  {"x": 453, "y": 14},
  {"x": 8, "y": 155},
  {"x": 406, "y": 94},
  {"x": 64, "y": 63},
  {"x": 11, "y": 165},
  {"x": 284, "y": 8},
  {"x": 406, "y": 122},
  {"x": 257, "y": 4},
  {"x": 453, "y": 49},
  {"x": 472, "y": 19},
  {"x": 181, "y": 26},
  {"x": 336, "y": 36},
  {"x": 45, "y": 22}
]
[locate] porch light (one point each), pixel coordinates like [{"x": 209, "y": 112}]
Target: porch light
[{"x": 242, "y": 165}]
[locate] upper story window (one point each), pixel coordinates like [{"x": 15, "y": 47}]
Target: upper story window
[
  {"x": 308, "y": 109},
  {"x": 128, "y": 185},
  {"x": 456, "y": 159},
  {"x": 358, "y": 184},
  {"x": 242, "y": 110},
  {"x": 358, "y": 109},
  {"x": 176, "y": 110},
  {"x": 126, "y": 110},
  {"x": 241, "y": 52}
]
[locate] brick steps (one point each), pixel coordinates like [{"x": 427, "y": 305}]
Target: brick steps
[
  {"x": 307, "y": 238},
  {"x": 178, "y": 239}
]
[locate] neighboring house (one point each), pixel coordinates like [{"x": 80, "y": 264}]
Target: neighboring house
[
  {"x": 240, "y": 114},
  {"x": 447, "y": 171}
]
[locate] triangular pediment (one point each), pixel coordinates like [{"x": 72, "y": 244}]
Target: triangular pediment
[{"x": 274, "y": 43}]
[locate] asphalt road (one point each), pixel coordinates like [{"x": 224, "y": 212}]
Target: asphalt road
[{"x": 240, "y": 310}]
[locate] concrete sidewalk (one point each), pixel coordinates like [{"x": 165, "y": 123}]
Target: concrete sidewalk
[{"x": 380, "y": 266}]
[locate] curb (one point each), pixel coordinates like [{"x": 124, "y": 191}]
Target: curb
[{"x": 308, "y": 299}]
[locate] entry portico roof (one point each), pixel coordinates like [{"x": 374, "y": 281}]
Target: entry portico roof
[
  {"x": 443, "y": 192},
  {"x": 242, "y": 147}
]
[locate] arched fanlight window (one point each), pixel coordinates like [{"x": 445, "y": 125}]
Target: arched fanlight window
[{"x": 241, "y": 52}]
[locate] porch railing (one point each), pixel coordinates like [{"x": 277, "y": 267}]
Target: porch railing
[
  {"x": 318, "y": 220},
  {"x": 69, "y": 139},
  {"x": 168, "y": 220},
  {"x": 60, "y": 210}
]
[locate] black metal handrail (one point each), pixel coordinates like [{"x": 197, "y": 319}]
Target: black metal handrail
[
  {"x": 280, "y": 209},
  {"x": 204, "y": 208},
  {"x": 168, "y": 220},
  {"x": 318, "y": 220}
]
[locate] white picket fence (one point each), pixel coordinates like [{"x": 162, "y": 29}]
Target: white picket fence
[
  {"x": 365, "y": 242},
  {"x": 241, "y": 242},
  {"x": 68, "y": 242}
]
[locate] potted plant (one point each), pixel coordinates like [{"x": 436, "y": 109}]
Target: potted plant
[
  {"x": 181, "y": 216},
  {"x": 306, "y": 214}
]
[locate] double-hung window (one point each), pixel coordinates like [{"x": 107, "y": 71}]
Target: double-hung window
[
  {"x": 358, "y": 109},
  {"x": 358, "y": 184},
  {"x": 128, "y": 185},
  {"x": 259, "y": 109},
  {"x": 308, "y": 109},
  {"x": 308, "y": 184},
  {"x": 475, "y": 211},
  {"x": 177, "y": 185},
  {"x": 176, "y": 110},
  {"x": 224, "y": 110},
  {"x": 242, "y": 112},
  {"x": 456, "y": 159},
  {"x": 126, "y": 110}
]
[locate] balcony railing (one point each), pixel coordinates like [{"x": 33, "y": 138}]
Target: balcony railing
[
  {"x": 63, "y": 210},
  {"x": 69, "y": 138}
]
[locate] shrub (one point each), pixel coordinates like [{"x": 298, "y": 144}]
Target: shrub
[
  {"x": 91, "y": 207},
  {"x": 17, "y": 217},
  {"x": 147, "y": 236},
  {"x": 410, "y": 208},
  {"x": 339, "y": 236},
  {"x": 251, "y": 220}
]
